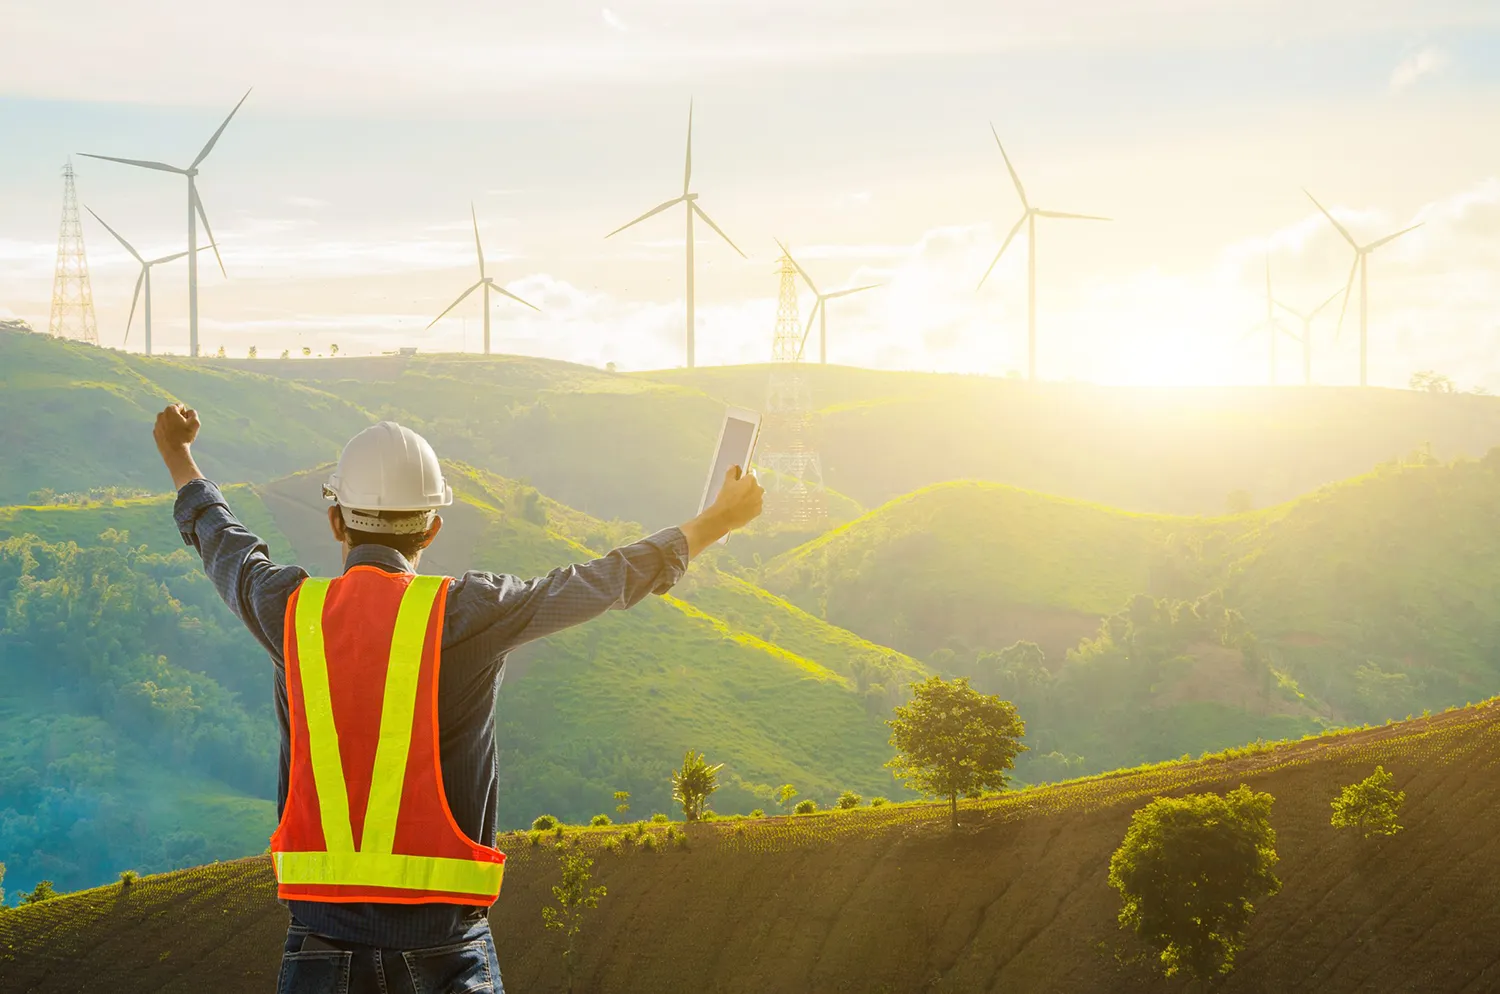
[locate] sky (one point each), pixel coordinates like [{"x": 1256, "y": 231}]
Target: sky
[{"x": 858, "y": 133}]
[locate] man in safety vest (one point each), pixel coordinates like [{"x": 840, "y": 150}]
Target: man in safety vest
[{"x": 385, "y": 687}]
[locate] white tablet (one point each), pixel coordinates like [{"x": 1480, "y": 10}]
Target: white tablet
[{"x": 736, "y": 445}]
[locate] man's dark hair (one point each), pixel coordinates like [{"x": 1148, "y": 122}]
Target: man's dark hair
[{"x": 407, "y": 545}]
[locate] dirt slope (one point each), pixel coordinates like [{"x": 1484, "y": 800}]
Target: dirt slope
[{"x": 890, "y": 900}]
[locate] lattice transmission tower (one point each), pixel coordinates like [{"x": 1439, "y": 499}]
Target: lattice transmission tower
[
  {"x": 72, "y": 298},
  {"x": 794, "y": 483}
]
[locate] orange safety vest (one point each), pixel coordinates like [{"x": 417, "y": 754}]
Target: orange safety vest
[{"x": 366, "y": 818}]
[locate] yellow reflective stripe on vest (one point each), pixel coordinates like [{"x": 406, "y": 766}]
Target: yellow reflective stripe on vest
[
  {"x": 397, "y": 713},
  {"x": 368, "y": 869},
  {"x": 317, "y": 705}
]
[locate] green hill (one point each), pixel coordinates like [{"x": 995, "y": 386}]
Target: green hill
[
  {"x": 1355, "y": 603},
  {"x": 151, "y": 675},
  {"x": 892, "y": 900}
]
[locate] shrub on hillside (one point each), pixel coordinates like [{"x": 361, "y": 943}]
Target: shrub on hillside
[
  {"x": 574, "y": 898},
  {"x": 876, "y": 802},
  {"x": 599, "y": 820},
  {"x": 128, "y": 877},
  {"x": 1369, "y": 807},
  {"x": 41, "y": 892},
  {"x": 660, "y": 818},
  {"x": 648, "y": 842},
  {"x": 806, "y": 806},
  {"x": 1189, "y": 873},
  {"x": 694, "y": 783},
  {"x": 849, "y": 799},
  {"x": 953, "y": 740},
  {"x": 544, "y": 823},
  {"x": 757, "y": 813}
]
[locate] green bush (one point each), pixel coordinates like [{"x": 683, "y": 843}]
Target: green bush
[
  {"x": 536, "y": 838},
  {"x": 614, "y": 844},
  {"x": 648, "y": 842},
  {"x": 876, "y": 802},
  {"x": 806, "y": 806},
  {"x": 849, "y": 799},
  {"x": 128, "y": 877},
  {"x": 660, "y": 818},
  {"x": 557, "y": 832},
  {"x": 757, "y": 813},
  {"x": 599, "y": 820},
  {"x": 1370, "y": 806},
  {"x": 544, "y": 823}
]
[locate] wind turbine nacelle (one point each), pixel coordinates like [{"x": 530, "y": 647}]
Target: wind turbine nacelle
[{"x": 689, "y": 196}]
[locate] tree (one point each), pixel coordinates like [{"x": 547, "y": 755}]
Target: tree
[
  {"x": 253, "y": 352},
  {"x": 849, "y": 799},
  {"x": 286, "y": 353},
  {"x": 306, "y": 351},
  {"x": 784, "y": 794},
  {"x": 622, "y": 805},
  {"x": 333, "y": 349},
  {"x": 1370, "y": 806},
  {"x": 1189, "y": 873},
  {"x": 221, "y": 353},
  {"x": 41, "y": 892},
  {"x": 1431, "y": 382},
  {"x": 950, "y": 739},
  {"x": 574, "y": 897},
  {"x": 692, "y": 785}
]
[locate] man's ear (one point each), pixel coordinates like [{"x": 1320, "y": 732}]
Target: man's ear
[
  {"x": 432, "y": 531},
  {"x": 336, "y": 522}
]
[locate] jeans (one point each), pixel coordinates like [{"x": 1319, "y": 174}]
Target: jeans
[{"x": 312, "y": 964}]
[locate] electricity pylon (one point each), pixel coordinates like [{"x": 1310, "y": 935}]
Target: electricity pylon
[
  {"x": 72, "y": 297},
  {"x": 794, "y": 483}
]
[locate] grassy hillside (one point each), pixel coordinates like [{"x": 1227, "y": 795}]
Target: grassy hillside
[
  {"x": 74, "y": 417},
  {"x": 1374, "y": 602},
  {"x": 890, "y": 900}
]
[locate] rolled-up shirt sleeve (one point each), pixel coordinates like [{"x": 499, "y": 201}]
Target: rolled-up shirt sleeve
[
  {"x": 237, "y": 562},
  {"x": 512, "y": 611}
]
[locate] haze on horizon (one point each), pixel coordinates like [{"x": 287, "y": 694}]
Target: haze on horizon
[{"x": 858, "y": 133}]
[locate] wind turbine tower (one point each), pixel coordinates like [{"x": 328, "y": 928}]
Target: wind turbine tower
[
  {"x": 1307, "y": 323},
  {"x": 690, "y": 200},
  {"x": 72, "y": 296},
  {"x": 820, "y": 310},
  {"x": 1270, "y": 325},
  {"x": 794, "y": 484},
  {"x": 1362, "y": 267},
  {"x": 195, "y": 212},
  {"x": 1028, "y": 217},
  {"x": 488, "y": 282}
]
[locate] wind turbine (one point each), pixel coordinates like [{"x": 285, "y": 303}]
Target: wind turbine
[
  {"x": 1028, "y": 217},
  {"x": 1361, "y": 264},
  {"x": 487, "y": 282},
  {"x": 1307, "y": 321},
  {"x": 691, "y": 202},
  {"x": 143, "y": 279},
  {"x": 819, "y": 311},
  {"x": 1270, "y": 324},
  {"x": 195, "y": 212}
]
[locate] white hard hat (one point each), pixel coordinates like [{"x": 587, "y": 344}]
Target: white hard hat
[{"x": 387, "y": 467}]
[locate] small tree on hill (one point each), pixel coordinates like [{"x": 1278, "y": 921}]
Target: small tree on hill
[
  {"x": 951, "y": 740},
  {"x": 574, "y": 897},
  {"x": 41, "y": 892},
  {"x": 622, "y": 803},
  {"x": 2, "y": 889},
  {"x": 692, "y": 785},
  {"x": 1190, "y": 871},
  {"x": 1370, "y": 807},
  {"x": 784, "y": 795}
]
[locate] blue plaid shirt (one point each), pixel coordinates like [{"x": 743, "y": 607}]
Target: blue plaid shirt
[{"x": 488, "y": 615}]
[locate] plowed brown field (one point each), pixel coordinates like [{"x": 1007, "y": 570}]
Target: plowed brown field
[{"x": 892, "y": 900}]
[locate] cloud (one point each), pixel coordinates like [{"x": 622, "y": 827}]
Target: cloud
[
  {"x": 1425, "y": 61},
  {"x": 310, "y": 203},
  {"x": 613, "y": 19}
]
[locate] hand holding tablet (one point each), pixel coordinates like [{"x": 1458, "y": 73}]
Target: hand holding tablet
[{"x": 736, "y": 447}]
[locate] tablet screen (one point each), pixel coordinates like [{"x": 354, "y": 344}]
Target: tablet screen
[{"x": 734, "y": 450}]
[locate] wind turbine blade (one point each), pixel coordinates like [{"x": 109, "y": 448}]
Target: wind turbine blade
[
  {"x": 655, "y": 210},
  {"x": 1253, "y": 332},
  {"x": 853, "y": 289},
  {"x": 1003, "y": 247},
  {"x": 215, "y": 139},
  {"x": 460, "y": 300},
  {"x": 1332, "y": 220},
  {"x": 477, "y": 247},
  {"x": 710, "y": 222},
  {"x": 1296, "y": 313},
  {"x": 1278, "y": 326},
  {"x": 128, "y": 247},
  {"x": 1390, "y": 238},
  {"x": 203, "y": 216},
  {"x": 138, "y": 281},
  {"x": 174, "y": 258},
  {"x": 812, "y": 316},
  {"x": 788, "y": 253},
  {"x": 1020, "y": 190},
  {"x": 1073, "y": 217},
  {"x": 1331, "y": 298},
  {"x": 687, "y": 168},
  {"x": 143, "y": 163},
  {"x": 501, "y": 290},
  {"x": 1347, "y": 291}
]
